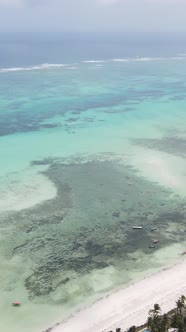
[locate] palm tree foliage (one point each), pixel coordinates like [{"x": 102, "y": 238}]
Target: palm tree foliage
[
  {"x": 157, "y": 322},
  {"x": 161, "y": 323},
  {"x": 180, "y": 304}
]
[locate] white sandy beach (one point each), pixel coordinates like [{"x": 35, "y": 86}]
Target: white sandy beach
[{"x": 130, "y": 305}]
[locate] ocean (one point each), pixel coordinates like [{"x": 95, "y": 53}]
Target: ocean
[{"x": 92, "y": 143}]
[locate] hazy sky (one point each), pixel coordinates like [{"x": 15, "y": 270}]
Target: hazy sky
[{"x": 93, "y": 15}]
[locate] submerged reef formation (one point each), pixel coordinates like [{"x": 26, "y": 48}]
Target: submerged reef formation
[{"x": 88, "y": 227}]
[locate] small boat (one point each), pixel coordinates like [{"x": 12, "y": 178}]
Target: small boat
[
  {"x": 153, "y": 229},
  {"x": 16, "y": 304},
  {"x": 155, "y": 241},
  {"x": 184, "y": 252},
  {"x": 137, "y": 227},
  {"x": 152, "y": 247},
  {"x": 116, "y": 214}
]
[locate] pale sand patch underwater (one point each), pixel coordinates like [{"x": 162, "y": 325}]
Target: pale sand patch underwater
[
  {"x": 23, "y": 190},
  {"x": 161, "y": 167}
]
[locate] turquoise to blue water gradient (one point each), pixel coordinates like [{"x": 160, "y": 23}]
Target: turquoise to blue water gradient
[{"x": 113, "y": 116}]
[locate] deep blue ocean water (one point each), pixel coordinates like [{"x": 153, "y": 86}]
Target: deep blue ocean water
[{"x": 30, "y": 49}]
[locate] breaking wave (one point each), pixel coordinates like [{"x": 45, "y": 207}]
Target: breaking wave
[
  {"x": 94, "y": 61},
  {"x": 180, "y": 57},
  {"x": 39, "y": 67},
  {"x": 98, "y": 63}
]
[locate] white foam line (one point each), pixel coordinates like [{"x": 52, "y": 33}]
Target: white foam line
[
  {"x": 148, "y": 59},
  {"x": 39, "y": 67},
  {"x": 94, "y": 61},
  {"x": 60, "y": 65}
]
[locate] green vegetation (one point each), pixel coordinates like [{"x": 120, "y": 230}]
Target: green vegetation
[{"x": 156, "y": 322}]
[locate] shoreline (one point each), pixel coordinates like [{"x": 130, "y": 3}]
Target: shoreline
[{"x": 129, "y": 306}]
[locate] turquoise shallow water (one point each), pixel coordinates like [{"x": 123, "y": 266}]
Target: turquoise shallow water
[{"x": 88, "y": 150}]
